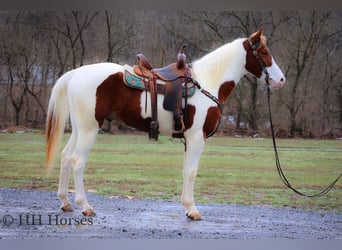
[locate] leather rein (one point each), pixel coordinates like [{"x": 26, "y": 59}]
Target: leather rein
[{"x": 279, "y": 169}]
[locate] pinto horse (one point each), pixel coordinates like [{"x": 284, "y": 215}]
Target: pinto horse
[{"x": 92, "y": 93}]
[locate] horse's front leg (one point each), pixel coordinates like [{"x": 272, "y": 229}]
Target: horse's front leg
[{"x": 193, "y": 151}]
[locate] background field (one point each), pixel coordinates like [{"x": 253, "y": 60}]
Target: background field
[{"x": 232, "y": 170}]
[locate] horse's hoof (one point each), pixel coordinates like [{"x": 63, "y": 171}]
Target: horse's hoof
[
  {"x": 194, "y": 216},
  {"x": 67, "y": 208},
  {"x": 88, "y": 212}
]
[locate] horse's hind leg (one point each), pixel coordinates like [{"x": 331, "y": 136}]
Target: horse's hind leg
[
  {"x": 85, "y": 139},
  {"x": 65, "y": 173}
]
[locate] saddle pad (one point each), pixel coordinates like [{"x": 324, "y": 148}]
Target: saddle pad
[{"x": 134, "y": 81}]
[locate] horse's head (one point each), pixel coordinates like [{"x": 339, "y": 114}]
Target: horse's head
[{"x": 260, "y": 62}]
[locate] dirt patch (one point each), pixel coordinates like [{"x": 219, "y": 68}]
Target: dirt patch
[{"x": 36, "y": 214}]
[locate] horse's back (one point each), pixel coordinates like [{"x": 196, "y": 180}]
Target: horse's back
[{"x": 93, "y": 75}]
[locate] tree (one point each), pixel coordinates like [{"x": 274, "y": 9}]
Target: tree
[
  {"x": 36, "y": 47},
  {"x": 16, "y": 50},
  {"x": 66, "y": 31},
  {"x": 308, "y": 35},
  {"x": 121, "y": 35}
]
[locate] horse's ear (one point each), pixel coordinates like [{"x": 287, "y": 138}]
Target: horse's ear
[{"x": 255, "y": 37}]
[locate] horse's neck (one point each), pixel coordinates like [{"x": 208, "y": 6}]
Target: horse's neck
[{"x": 223, "y": 64}]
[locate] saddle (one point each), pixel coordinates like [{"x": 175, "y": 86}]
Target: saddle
[{"x": 175, "y": 78}]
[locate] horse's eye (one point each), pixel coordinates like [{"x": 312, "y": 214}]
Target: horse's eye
[{"x": 264, "y": 53}]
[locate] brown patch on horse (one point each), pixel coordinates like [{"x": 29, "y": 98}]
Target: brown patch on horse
[
  {"x": 252, "y": 64},
  {"x": 211, "y": 121},
  {"x": 214, "y": 113},
  {"x": 189, "y": 120},
  {"x": 114, "y": 99},
  {"x": 225, "y": 90}
]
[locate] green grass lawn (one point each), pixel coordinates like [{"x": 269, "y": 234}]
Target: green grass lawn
[{"x": 232, "y": 170}]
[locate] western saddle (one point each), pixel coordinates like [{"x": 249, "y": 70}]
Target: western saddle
[{"x": 176, "y": 76}]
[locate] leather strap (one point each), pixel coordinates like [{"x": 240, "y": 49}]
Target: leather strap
[{"x": 154, "y": 122}]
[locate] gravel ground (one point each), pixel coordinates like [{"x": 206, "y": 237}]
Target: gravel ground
[{"x": 36, "y": 214}]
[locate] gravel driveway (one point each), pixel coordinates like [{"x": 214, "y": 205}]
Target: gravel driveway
[{"x": 36, "y": 214}]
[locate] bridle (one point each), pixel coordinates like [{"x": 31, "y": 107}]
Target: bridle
[
  {"x": 279, "y": 169},
  {"x": 255, "y": 54}
]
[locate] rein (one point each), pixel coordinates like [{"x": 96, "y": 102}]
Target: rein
[{"x": 279, "y": 169}]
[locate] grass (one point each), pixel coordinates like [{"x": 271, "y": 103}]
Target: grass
[{"x": 232, "y": 170}]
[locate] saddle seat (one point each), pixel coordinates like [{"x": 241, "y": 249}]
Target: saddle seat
[
  {"x": 175, "y": 76},
  {"x": 169, "y": 73}
]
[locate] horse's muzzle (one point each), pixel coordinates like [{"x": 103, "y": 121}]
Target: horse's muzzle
[{"x": 277, "y": 84}]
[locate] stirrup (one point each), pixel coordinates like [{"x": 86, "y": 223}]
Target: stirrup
[{"x": 182, "y": 129}]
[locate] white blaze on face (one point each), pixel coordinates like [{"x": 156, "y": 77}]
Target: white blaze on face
[{"x": 276, "y": 77}]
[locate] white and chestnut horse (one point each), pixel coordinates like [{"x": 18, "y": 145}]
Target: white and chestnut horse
[{"x": 92, "y": 93}]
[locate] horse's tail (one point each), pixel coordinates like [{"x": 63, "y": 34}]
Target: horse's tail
[{"x": 57, "y": 115}]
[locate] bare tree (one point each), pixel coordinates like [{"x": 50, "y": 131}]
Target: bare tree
[
  {"x": 67, "y": 34},
  {"x": 331, "y": 101},
  {"x": 22, "y": 50},
  {"x": 16, "y": 92},
  {"x": 308, "y": 35},
  {"x": 12, "y": 47},
  {"x": 37, "y": 47},
  {"x": 121, "y": 34}
]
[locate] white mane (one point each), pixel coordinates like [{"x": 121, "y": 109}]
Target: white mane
[{"x": 226, "y": 63}]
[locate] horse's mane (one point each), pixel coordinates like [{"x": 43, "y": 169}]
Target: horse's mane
[{"x": 212, "y": 67}]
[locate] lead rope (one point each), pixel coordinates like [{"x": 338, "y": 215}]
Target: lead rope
[{"x": 279, "y": 169}]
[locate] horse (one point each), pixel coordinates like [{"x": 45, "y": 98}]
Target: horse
[{"x": 92, "y": 93}]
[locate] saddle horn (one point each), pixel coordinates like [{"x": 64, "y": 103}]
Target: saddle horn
[{"x": 181, "y": 58}]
